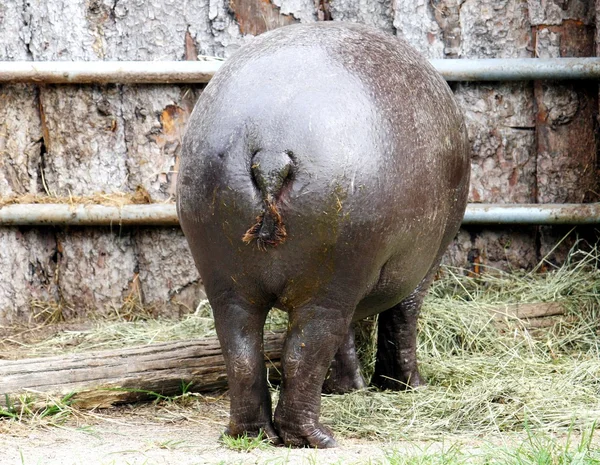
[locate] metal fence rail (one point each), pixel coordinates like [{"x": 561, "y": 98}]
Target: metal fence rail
[
  {"x": 166, "y": 214},
  {"x": 106, "y": 72},
  {"x": 179, "y": 72},
  {"x": 518, "y": 69}
]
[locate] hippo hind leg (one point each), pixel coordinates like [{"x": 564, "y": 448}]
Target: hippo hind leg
[
  {"x": 240, "y": 331},
  {"x": 344, "y": 373},
  {"x": 315, "y": 334},
  {"x": 396, "y": 363}
]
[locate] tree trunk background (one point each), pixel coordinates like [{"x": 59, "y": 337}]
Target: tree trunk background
[{"x": 532, "y": 142}]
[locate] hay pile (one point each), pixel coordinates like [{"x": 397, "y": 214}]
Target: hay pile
[
  {"x": 483, "y": 378},
  {"x": 117, "y": 199}
]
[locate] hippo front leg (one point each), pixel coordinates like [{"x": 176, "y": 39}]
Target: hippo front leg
[
  {"x": 240, "y": 330},
  {"x": 344, "y": 374},
  {"x": 314, "y": 336},
  {"x": 396, "y": 364}
]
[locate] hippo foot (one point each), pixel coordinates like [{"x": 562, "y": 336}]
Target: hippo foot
[
  {"x": 343, "y": 383},
  {"x": 254, "y": 430},
  {"x": 406, "y": 382},
  {"x": 316, "y": 436},
  {"x": 344, "y": 372},
  {"x": 299, "y": 434}
]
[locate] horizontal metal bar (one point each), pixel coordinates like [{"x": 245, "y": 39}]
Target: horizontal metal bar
[
  {"x": 178, "y": 72},
  {"x": 532, "y": 214},
  {"x": 166, "y": 215},
  {"x": 88, "y": 215},
  {"x": 518, "y": 69},
  {"x": 104, "y": 72}
]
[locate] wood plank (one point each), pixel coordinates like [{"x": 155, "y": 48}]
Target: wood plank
[{"x": 530, "y": 316}]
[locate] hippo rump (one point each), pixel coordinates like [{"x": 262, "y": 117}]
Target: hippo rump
[{"x": 324, "y": 171}]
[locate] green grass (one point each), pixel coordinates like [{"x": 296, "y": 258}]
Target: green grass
[
  {"x": 488, "y": 376},
  {"x": 545, "y": 450},
  {"x": 31, "y": 409},
  {"x": 531, "y": 448},
  {"x": 536, "y": 449},
  {"x": 245, "y": 443}
]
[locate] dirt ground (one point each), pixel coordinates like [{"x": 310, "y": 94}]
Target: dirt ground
[
  {"x": 168, "y": 433},
  {"x": 151, "y": 435}
]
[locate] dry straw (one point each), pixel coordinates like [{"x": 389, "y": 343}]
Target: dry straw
[{"x": 484, "y": 377}]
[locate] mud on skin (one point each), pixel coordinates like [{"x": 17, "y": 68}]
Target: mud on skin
[{"x": 324, "y": 171}]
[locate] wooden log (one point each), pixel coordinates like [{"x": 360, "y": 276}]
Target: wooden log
[
  {"x": 105, "y": 378},
  {"x": 530, "y": 310},
  {"x": 102, "y": 379},
  {"x": 535, "y": 315},
  {"x": 566, "y": 120}
]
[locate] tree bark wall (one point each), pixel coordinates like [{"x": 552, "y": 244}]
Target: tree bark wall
[{"x": 88, "y": 140}]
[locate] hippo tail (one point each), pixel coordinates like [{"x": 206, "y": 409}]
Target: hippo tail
[{"x": 270, "y": 172}]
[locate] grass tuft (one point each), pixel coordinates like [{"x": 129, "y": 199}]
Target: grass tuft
[
  {"x": 36, "y": 410},
  {"x": 547, "y": 450},
  {"x": 246, "y": 443},
  {"x": 535, "y": 449}
]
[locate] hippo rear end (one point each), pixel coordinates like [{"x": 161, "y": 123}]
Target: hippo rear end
[{"x": 324, "y": 172}]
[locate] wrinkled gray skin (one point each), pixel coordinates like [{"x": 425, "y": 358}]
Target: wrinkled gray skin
[{"x": 357, "y": 143}]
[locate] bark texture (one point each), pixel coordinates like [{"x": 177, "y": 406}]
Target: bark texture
[
  {"x": 21, "y": 141},
  {"x": 566, "y": 116},
  {"x": 173, "y": 285},
  {"x": 532, "y": 142},
  {"x": 29, "y": 264}
]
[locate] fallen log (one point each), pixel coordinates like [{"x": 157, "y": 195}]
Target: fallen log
[
  {"x": 105, "y": 378},
  {"x": 102, "y": 379},
  {"x": 531, "y": 310},
  {"x": 532, "y": 316}
]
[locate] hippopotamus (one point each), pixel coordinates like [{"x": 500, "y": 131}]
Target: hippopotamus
[{"x": 324, "y": 171}]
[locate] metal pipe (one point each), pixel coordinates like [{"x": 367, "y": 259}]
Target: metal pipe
[
  {"x": 166, "y": 215},
  {"x": 518, "y": 69},
  {"x": 104, "y": 72},
  {"x": 179, "y": 72},
  {"x": 575, "y": 214},
  {"x": 88, "y": 215}
]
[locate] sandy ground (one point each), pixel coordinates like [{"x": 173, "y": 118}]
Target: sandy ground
[
  {"x": 170, "y": 433},
  {"x": 150, "y": 435}
]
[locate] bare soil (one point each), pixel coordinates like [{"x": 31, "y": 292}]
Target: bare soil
[{"x": 157, "y": 434}]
